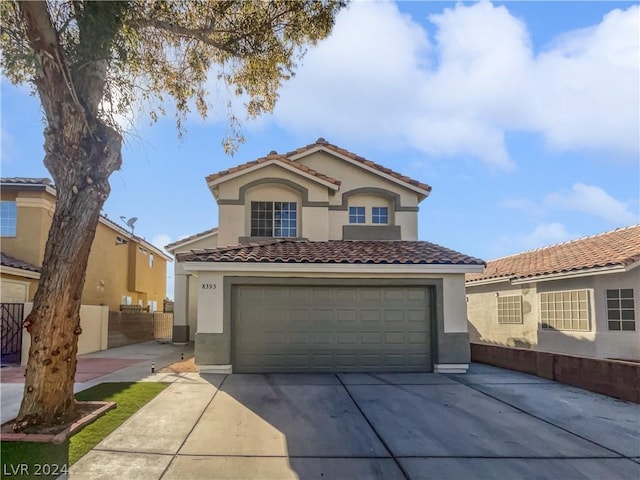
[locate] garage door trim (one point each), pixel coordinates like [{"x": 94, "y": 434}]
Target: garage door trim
[{"x": 433, "y": 285}]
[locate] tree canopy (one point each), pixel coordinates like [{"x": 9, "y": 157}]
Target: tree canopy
[
  {"x": 136, "y": 55},
  {"x": 89, "y": 61}
]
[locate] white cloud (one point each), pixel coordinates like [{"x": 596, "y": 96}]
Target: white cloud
[
  {"x": 593, "y": 200},
  {"x": 378, "y": 79},
  {"x": 544, "y": 234},
  {"x": 525, "y": 205}
]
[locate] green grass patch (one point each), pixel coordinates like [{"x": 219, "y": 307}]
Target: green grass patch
[{"x": 130, "y": 397}]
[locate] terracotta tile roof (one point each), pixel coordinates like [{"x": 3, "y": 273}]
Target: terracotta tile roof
[
  {"x": 190, "y": 237},
  {"x": 335, "y": 251},
  {"x": 8, "y": 261},
  {"x": 619, "y": 247},
  {"x": 270, "y": 158},
  {"x": 321, "y": 142}
]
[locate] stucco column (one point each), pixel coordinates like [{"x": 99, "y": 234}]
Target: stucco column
[
  {"x": 213, "y": 341},
  {"x": 181, "y": 306}
]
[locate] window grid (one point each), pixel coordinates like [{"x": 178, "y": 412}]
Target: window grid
[
  {"x": 274, "y": 219},
  {"x": 565, "y": 310},
  {"x": 621, "y": 314},
  {"x": 510, "y": 309},
  {"x": 8, "y": 219},
  {"x": 380, "y": 215},
  {"x": 356, "y": 215}
]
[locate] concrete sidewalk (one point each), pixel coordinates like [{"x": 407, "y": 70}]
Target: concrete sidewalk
[
  {"x": 131, "y": 363},
  {"x": 490, "y": 423}
]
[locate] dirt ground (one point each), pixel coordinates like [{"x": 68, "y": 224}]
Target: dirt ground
[{"x": 188, "y": 365}]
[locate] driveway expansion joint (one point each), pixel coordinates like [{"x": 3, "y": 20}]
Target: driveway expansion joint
[
  {"x": 618, "y": 454},
  {"x": 398, "y": 464}
]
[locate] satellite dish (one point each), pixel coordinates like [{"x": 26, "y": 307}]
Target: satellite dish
[{"x": 130, "y": 223}]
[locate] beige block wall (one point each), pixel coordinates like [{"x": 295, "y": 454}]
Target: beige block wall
[{"x": 94, "y": 320}]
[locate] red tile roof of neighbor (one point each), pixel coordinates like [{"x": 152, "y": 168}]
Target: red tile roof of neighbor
[
  {"x": 321, "y": 142},
  {"x": 8, "y": 261},
  {"x": 616, "y": 248},
  {"x": 26, "y": 181},
  {"x": 190, "y": 237},
  {"x": 273, "y": 156},
  {"x": 334, "y": 251}
]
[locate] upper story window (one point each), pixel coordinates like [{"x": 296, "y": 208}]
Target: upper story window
[
  {"x": 565, "y": 310},
  {"x": 151, "y": 260},
  {"x": 380, "y": 215},
  {"x": 621, "y": 313},
  {"x": 356, "y": 215},
  {"x": 274, "y": 219},
  {"x": 8, "y": 219}
]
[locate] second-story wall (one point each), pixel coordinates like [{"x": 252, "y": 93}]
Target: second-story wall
[
  {"x": 34, "y": 214},
  {"x": 322, "y": 212}
]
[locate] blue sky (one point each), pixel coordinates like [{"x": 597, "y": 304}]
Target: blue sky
[{"x": 524, "y": 117}]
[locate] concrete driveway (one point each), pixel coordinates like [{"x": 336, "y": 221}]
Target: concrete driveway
[{"x": 490, "y": 423}]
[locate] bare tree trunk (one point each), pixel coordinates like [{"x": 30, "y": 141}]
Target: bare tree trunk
[
  {"x": 54, "y": 323},
  {"x": 81, "y": 153}
]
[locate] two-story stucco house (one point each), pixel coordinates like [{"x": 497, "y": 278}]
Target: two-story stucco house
[
  {"x": 122, "y": 268},
  {"x": 316, "y": 267},
  {"x": 577, "y": 297}
]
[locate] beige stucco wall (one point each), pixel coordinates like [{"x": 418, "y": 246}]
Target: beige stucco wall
[
  {"x": 597, "y": 342},
  {"x": 482, "y": 309},
  {"x": 353, "y": 177},
  {"x": 31, "y": 285},
  {"x": 33, "y": 220},
  {"x": 185, "y": 310},
  {"x": 315, "y": 223},
  {"x": 94, "y": 320},
  {"x": 116, "y": 270}
]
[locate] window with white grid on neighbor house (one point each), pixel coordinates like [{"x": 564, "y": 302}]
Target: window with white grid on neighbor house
[{"x": 567, "y": 310}]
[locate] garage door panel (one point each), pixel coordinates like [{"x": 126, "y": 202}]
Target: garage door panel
[{"x": 328, "y": 328}]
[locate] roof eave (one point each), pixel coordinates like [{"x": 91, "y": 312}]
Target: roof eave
[
  {"x": 19, "y": 272},
  {"x": 423, "y": 269},
  {"x": 375, "y": 171},
  {"x": 172, "y": 247},
  {"x": 230, "y": 176},
  {"x": 556, "y": 276}
]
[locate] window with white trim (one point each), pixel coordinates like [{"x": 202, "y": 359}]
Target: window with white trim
[
  {"x": 356, "y": 215},
  {"x": 621, "y": 312},
  {"x": 565, "y": 310},
  {"x": 510, "y": 309},
  {"x": 8, "y": 219},
  {"x": 151, "y": 260},
  {"x": 274, "y": 219},
  {"x": 380, "y": 215}
]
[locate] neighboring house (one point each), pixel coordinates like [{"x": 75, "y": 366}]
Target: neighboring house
[
  {"x": 316, "y": 267},
  {"x": 578, "y": 297},
  {"x": 122, "y": 269}
]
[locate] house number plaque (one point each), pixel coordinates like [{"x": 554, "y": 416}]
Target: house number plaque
[{"x": 208, "y": 286}]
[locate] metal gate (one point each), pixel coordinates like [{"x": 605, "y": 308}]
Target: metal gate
[{"x": 11, "y": 327}]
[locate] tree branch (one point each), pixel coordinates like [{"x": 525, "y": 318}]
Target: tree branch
[{"x": 201, "y": 34}]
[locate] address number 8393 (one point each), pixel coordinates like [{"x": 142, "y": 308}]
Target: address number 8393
[{"x": 208, "y": 286}]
